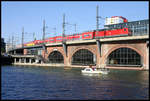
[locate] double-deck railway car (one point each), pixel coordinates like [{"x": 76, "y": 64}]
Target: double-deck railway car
[
  {"x": 37, "y": 42},
  {"x": 46, "y": 41},
  {"x": 52, "y": 40},
  {"x": 58, "y": 39},
  {"x": 41, "y": 41},
  {"x": 29, "y": 44},
  {"x": 73, "y": 37},
  {"x": 24, "y": 44},
  {"x": 69, "y": 37},
  {"x": 87, "y": 35},
  {"x": 77, "y": 36}
]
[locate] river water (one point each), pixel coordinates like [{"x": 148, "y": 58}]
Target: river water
[{"x": 57, "y": 83}]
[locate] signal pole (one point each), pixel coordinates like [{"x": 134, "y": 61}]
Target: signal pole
[
  {"x": 97, "y": 20},
  {"x": 44, "y": 47},
  {"x": 12, "y": 41},
  {"x": 22, "y": 37},
  {"x": 63, "y": 33},
  {"x": 55, "y": 31},
  {"x": 75, "y": 27},
  {"x": 97, "y": 26},
  {"x": 43, "y": 30},
  {"x": 34, "y": 38}
]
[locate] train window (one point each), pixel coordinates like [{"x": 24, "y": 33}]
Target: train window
[
  {"x": 86, "y": 35},
  {"x": 124, "y": 29},
  {"x": 59, "y": 39}
]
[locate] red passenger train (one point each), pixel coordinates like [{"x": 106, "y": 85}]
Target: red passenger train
[{"x": 105, "y": 33}]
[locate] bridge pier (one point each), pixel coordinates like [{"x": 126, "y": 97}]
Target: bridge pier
[
  {"x": 65, "y": 48},
  {"x": 99, "y": 55},
  {"x": 99, "y": 47},
  {"x": 30, "y": 60},
  {"x": 14, "y": 52},
  {"x": 14, "y": 60},
  {"x": 19, "y": 60},
  {"x": 147, "y": 51},
  {"x": 24, "y": 60}
]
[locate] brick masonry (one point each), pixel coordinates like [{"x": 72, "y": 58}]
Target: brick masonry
[{"x": 106, "y": 48}]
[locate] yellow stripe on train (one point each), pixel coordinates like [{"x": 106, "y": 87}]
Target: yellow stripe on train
[{"x": 30, "y": 44}]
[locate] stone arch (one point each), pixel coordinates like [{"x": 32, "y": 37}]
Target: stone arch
[
  {"x": 81, "y": 48},
  {"x": 122, "y": 46},
  {"x": 55, "y": 56},
  {"x": 51, "y": 49}
]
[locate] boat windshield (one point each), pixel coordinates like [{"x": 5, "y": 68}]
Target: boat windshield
[{"x": 88, "y": 69}]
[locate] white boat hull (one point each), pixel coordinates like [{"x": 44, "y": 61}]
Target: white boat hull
[
  {"x": 90, "y": 70},
  {"x": 83, "y": 71}
]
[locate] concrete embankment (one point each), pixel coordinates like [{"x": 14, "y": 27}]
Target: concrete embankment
[
  {"x": 51, "y": 65},
  {"x": 72, "y": 66},
  {"x": 36, "y": 64}
]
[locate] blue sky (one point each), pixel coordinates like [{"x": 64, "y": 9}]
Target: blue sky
[{"x": 30, "y": 15}]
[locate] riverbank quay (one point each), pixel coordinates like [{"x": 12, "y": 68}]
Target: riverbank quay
[
  {"x": 73, "y": 66},
  {"x": 50, "y": 65}
]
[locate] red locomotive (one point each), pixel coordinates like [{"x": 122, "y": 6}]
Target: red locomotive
[{"x": 117, "y": 32}]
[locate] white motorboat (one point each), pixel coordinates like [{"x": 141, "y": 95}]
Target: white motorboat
[
  {"x": 90, "y": 70},
  {"x": 94, "y": 70},
  {"x": 91, "y": 74}
]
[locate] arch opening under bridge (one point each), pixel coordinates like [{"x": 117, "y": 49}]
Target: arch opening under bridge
[
  {"x": 56, "y": 57},
  {"x": 83, "y": 57},
  {"x": 124, "y": 57}
]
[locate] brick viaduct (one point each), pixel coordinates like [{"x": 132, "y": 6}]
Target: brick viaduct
[{"x": 140, "y": 46}]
